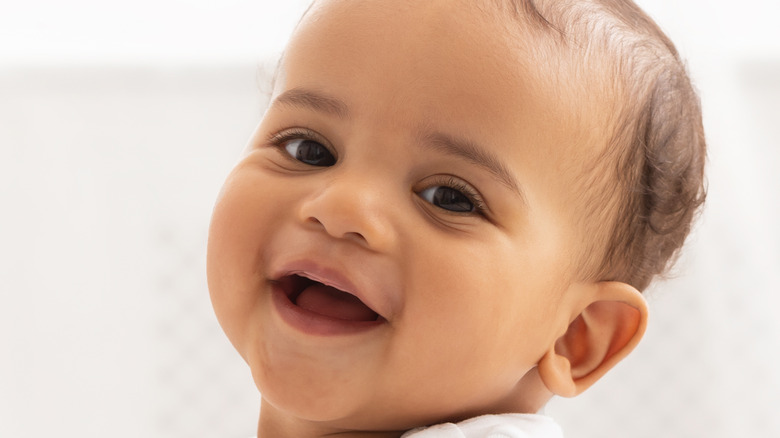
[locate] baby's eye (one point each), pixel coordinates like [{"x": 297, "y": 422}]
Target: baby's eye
[
  {"x": 309, "y": 152},
  {"x": 448, "y": 198}
]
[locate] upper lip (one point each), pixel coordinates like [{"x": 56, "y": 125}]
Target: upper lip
[{"x": 332, "y": 276}]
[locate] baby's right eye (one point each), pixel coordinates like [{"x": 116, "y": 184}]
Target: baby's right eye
[{"x": 309, "y": 152}]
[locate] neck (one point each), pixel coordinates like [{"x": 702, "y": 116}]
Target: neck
[{"x": 274, "y": 423}]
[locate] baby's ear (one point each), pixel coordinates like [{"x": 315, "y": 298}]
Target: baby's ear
[{"x": 611, "y": 324}]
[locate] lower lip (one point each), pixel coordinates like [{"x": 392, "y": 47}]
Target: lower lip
[{"x": 315, "y": 324}]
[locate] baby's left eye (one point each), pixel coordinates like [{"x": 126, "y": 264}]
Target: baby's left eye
[{"x": 448, "y": 198}]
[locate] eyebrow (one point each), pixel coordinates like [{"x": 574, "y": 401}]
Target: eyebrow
[
  {"x": 441, "y": 142},
  {"x": 475, "y": 154},
  {"x": 301, "y": 97}
]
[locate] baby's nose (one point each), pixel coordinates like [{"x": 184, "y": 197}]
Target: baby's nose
[{"x": 355, "y": 208}]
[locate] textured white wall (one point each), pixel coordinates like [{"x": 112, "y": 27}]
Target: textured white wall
[
  {"x": 144, "y": 30},
  {"x": 107, "y": 178},
  {"x": 117, "y": 127}
]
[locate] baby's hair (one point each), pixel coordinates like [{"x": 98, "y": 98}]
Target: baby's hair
[{"x": 647, "y": 185}]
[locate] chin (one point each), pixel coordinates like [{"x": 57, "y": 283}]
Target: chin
[{"x": 304, "y": 399}]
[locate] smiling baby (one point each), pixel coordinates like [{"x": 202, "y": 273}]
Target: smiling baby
[{"x": 449, "y": 211}]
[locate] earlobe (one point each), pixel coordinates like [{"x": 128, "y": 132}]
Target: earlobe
[{"x": 611, "y": 323}]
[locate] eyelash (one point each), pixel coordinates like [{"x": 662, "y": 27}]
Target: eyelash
[
  {"x": 456, "y": 184},
  {"x": 278, "y": 140}
]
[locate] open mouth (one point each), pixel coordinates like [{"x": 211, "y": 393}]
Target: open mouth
[{"x": 324, "y": 300}]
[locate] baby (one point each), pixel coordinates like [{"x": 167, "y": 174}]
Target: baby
[{"x": 448, "y": 212}]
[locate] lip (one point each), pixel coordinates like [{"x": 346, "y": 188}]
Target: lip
[{"x": 311, "y": 322}]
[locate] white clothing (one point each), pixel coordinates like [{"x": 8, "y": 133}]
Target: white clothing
[{"x": 493, "y": 426}]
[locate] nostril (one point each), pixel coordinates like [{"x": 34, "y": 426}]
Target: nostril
[
  {"x": 355, "y": 236},
  {"x": 334, "y": 231},
  {"x": 314, "y": 221}
]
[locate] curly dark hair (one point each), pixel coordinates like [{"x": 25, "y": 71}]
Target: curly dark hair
[{"x": 647, "y": 185}]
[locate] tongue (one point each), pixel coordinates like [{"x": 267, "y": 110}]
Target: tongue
[{"x": 334, "y": 303}]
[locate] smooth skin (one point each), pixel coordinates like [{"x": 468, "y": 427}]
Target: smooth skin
[{"x": 408, "y": 149}]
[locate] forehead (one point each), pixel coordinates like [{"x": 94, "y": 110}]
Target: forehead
[{"x": 419, "y": 52}]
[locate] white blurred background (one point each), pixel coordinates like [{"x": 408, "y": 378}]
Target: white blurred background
[{"x": 118, "y": 123}]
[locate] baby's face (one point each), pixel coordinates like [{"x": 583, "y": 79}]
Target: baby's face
[{"x": 394, "y": 247}]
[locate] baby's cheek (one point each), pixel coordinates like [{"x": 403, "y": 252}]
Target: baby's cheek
[{"x": 232, "y": 257}]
